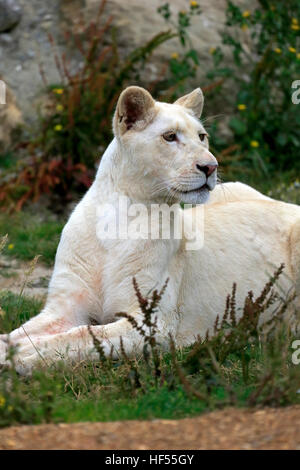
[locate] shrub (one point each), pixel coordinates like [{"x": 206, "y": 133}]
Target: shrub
[{"x": 265, "y": 124}]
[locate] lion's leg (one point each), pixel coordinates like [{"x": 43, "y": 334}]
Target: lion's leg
[
  {"x": 294, "y": 246},
  {"x": 78, "y": 344},
  {"x": 295, "y": 253},
  {"x": 61, "y": 313}
]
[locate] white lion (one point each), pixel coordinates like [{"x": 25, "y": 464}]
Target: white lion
[{"x": 159, "y": 154}]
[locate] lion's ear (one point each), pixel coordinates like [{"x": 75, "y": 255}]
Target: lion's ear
[
  {"x": 135, "y": 109},
  {"x": 193, "y": 101}
]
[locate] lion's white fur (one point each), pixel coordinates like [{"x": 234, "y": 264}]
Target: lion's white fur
[{"x": 247, "y": 236}]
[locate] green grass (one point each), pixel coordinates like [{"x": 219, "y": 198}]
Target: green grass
[
  {"x": 30, "y": 235},
  {"x": 19, "y": 309},
  {"x": 7, "y": 161}
]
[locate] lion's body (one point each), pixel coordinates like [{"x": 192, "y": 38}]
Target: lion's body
[{"x": 246, "y": 237}]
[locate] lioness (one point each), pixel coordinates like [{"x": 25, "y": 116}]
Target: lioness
[{"x": 159, "y": 154}]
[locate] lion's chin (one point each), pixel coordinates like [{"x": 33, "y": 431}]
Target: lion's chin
[{"x": 198, "y": 196}]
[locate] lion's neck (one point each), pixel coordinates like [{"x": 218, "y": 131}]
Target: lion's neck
[{"x": 113, "y": 178}]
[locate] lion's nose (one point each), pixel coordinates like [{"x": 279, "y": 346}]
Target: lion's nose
[{"x": 207, "y": 169}]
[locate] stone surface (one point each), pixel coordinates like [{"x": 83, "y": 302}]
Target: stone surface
[
  {"x": 24, "y": 48},
  {"x": 10, "y": 14},
  {"x": 12, "y": 277},
  {"x": 10, "y": 119}
]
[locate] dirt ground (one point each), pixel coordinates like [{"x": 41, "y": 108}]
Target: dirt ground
[
  {"x": 226, "y": 429},
  {"x": 12, "y": 277}
]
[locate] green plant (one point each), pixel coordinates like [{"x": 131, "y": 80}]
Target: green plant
[
  {"x": 7, "y": 160},
  {"x": 20, "y": 307},
  {"x": 29, "y": 234},
  {"x": 16, "y": 310},
  {"x": 148, "y": 330},
  {"x": 288, "y": 190},
  {"x": 183, "y": 64},
  {"x": 265, "y": 124}
]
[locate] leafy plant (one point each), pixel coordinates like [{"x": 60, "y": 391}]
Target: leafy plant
[
  {"x": 183, "y": 65},
  {"x": 148, "y": 329},
  {"x": 266, "y": 123}
]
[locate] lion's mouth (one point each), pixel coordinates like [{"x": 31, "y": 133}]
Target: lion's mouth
[
  {"x": 197, "y": 190},
  {"x": 198, "y": 195}
]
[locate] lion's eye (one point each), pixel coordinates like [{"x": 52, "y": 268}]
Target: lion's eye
[
  {"x": 170, "y": 136},
  {"x": 202, "y": 137}
]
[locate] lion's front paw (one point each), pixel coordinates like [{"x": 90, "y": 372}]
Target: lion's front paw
[
  {"x": 25, "y": 365},
  {"x": 22, "y": 356}
]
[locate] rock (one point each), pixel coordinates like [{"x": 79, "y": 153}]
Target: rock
[
  {"x": 40, "y": 282},
  {"x": 27, "y": 46},
  {"x": 10, "y": 14},
  {"x": 10, "y": 118},
  {"x": 5, "y": 38}
]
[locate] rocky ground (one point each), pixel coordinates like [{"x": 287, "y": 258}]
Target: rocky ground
[
  {"x": 227, "y": 429},
  {"x": 13, "y": 277},
  {"x": 25, "y": 48}
]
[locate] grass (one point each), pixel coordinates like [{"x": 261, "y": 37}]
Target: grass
[
  {"x": 19, "y": 309},
  {"x": 30, "y": 235}
]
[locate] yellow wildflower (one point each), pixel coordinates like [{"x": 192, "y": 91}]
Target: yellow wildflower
[
  {"x": 246, "y": 14},
  {"x": 298, "y": 55},
  {"x": 174, "y": 55},
  {"x": 59, "y": 107},
  {"x": 212, "y": 50},
  {"x": 193, "y": 3},
  {"x": 295, "y": 27},
  {"x": 254, "y": 143},
  {"x": 58, "y": 91},
  {"x": 294, "y": 21},
  {"x": 11, "y": 246},
  {"x": 292, "y": 49},
  {"x": 242, "y": 107},
  {"x": 2, "y": 401},
  {"x": 277, "y": 50},
  {"x": 58, "y": 127}
]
